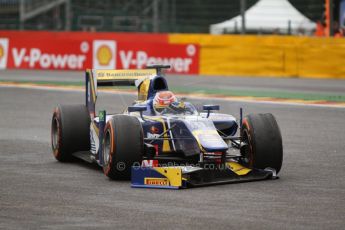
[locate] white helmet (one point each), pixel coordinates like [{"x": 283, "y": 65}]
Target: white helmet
[{"x": 162, "y": 100}]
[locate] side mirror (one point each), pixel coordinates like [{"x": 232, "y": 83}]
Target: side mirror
[
  {"x": 209, "y": 108},
  {"x": 137, "y": 108}
]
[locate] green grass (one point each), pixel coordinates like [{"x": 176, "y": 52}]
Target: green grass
[{"x": 272, "y": 94}]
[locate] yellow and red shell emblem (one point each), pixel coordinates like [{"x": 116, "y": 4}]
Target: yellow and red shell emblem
[
  {"x": 104, "y": 55},
  {"x": 1, "y": 51}
]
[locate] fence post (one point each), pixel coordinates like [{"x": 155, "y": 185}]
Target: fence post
[{"x": 243, "y": 15}]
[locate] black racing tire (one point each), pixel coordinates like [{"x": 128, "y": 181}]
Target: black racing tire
[
  {"x": 264, "y": 142},
  {"x": 123, "y": 146},
  {"x": 70, "y": 131}
]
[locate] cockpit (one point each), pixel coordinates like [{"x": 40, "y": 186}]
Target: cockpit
[{"x": 180, "y": 108}]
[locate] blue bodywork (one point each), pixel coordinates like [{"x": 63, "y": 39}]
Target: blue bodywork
[
  {"x": 180, "y": 133},
  {"x": 186, "y": 133}
]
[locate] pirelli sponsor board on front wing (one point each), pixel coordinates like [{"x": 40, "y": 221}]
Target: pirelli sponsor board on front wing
[
  {"x": 156, "y": 181},
  {"x": 28, "y": 51}
]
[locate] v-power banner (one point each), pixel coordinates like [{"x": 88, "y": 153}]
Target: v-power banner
[{"x": 80, "y": 50}]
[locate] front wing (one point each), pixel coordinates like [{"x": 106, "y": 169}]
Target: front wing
[{"x": 190, "y": 176}]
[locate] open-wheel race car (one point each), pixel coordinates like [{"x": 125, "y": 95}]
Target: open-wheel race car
[{"x": 163, "y": 142}]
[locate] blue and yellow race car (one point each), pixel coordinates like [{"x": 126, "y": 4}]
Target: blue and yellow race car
[{"x": 164, "y": 142}]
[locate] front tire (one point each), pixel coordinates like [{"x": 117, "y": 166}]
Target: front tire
[
  {"x": 70, "y": 131},
  {"x": 122, "y": 146},
  {"x": 263, "y": 142}
]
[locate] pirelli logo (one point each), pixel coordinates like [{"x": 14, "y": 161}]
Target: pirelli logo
[{"x": 156, "y": 181}]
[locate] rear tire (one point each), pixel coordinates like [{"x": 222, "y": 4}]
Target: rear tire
[
  {"x": 70, "y": 131},
  {"x": 264, "y": 142},
  {"x": 123, "y": 146}
]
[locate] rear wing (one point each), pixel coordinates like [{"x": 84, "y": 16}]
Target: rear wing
[
  {"x": 95, "y": 78},
  {"x": 98, "y": 78},
  {"x": 122, "y": 77}
]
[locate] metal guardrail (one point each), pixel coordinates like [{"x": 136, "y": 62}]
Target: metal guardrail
[
  {"x": 31, "y": 8},
  {"x": 90, "y": 21},
  {"x": 9, "y": 6},
  {"x": 126, "y": 23}
]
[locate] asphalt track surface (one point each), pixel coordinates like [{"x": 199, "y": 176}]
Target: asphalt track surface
[
  {"x": 37, "y": 192},
  {"x": 295, "y": 88}
]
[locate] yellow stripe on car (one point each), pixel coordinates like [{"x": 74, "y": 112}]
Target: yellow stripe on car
[
  {"x": 237, "y": 168},
  {"x": 173, "y": 174}
]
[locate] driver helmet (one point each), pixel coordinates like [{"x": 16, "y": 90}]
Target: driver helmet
[{"x": 162, "y": 100}]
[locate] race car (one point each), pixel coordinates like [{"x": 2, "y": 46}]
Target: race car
[{"x": 161, "y": 141}]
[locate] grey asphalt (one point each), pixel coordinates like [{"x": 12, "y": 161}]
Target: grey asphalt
[
  {"x": 293, "y": 85},
  {"x": 37, "y": 192}
]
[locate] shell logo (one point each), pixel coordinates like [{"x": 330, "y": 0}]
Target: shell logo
[
  {"x": 1, "y": 51},
  {"x": 104, "y": 55}
]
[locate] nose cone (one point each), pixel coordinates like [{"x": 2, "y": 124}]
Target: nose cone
[{"x": 211, "y": 141}]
